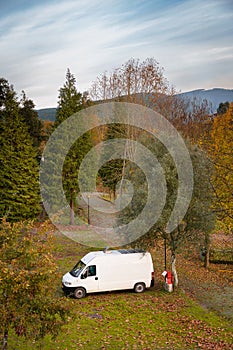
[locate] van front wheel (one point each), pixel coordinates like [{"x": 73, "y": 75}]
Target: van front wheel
[
  {"x": 79, "y": 293},
  {"x": 139, "y": 287}
]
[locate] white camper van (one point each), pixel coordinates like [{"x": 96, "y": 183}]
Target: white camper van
[{"x": 110, "y": 270}]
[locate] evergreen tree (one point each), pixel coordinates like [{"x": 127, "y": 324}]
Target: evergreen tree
[
  {"x": 30, "y": 117},
  {"x": 223, "y": 108},
  {"x": 19, "y": 189},
  {"x": 8, "y": 99},
  {"x": 71, "y": 101},
  {"x": 4, "y": 89}
]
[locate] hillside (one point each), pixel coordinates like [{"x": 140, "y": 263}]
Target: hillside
[
  {"x": 213, "y": 96},
  {"x": 47, "y": 114}
]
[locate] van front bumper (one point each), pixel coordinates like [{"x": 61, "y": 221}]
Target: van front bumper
[{"x": 67, "y": 290}]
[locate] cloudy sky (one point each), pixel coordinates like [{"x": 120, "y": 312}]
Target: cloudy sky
[{"x": 39, "y": 40}]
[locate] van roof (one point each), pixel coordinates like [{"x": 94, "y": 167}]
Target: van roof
[
  {"x": 129, "y": 251},
  {"x": 88, "y": 257}
]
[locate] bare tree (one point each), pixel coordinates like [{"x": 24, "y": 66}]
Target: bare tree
[{"x": 134, "y": 82}]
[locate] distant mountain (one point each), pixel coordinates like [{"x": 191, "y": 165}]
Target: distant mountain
[
  {"x": 47, "y": 114},
  {"x": 213, "y": 96}
]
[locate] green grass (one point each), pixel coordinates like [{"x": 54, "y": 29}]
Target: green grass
[{"x": 125, "y": 320}]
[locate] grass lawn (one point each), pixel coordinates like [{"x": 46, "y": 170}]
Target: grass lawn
[{"x": 125, "y": 320}]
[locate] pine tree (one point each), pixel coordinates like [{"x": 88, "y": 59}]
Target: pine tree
[
  {"x": 71, "y": 101},
  {"x": 19, "y": 175},
  {"x": 30, "y": 117},
  {"x": 8, "y": 99}
]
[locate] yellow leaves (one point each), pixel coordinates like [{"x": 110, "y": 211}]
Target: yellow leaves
[
  {"x": 5, "y": 271},
  {"x": 26, "y": 254},
  {"x": 27, "y": 280},
  {"x": 222, "y": 152},
  {"x": 218, "y": 142}
]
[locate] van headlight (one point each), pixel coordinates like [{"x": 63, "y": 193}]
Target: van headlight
[{"x": 67, "y": 283}]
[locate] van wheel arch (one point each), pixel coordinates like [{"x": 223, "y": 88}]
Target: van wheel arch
[
  {"x": 79, "y": 293},
  {"x": 139, "y": 287}
]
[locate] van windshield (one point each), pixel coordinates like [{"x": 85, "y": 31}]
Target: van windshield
[{"x": 77, "y": 269}]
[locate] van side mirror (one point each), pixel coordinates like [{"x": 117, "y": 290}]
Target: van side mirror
[{"x": 83, "y": 275}]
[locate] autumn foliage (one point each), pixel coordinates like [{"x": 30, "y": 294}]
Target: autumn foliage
[
  {"x": 221, "y": 152},
  {"x": 28, "y": 282}
]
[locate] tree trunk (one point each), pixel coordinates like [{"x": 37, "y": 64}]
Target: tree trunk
[
  {"x": 174, "y": 273},
  {"x": 207, "y": 258},
  {"x": 71, "y": 211},
  {"x": 207, "y": 250},
  {"x": 5, "y": 340}
]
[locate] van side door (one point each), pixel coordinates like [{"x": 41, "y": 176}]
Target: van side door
[{"x": 90, "y": 279}]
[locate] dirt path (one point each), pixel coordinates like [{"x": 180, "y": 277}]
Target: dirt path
[
  {"x": 102, "y": 218},
  {"x": 102, "y": 212}
]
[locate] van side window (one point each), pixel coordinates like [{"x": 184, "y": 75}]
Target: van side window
[{"x": 91, "y": 271}]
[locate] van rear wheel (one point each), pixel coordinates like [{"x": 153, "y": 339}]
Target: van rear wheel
[
  {"x": 79, "y": 293},
  {"x": 139, "y": 287}
]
